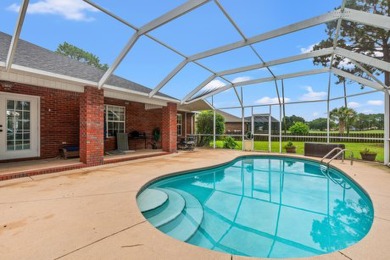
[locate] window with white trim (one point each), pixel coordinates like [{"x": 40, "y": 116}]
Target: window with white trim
[
  {"x": 179, "y": 124},
  {"x": 114, "y": 120}
]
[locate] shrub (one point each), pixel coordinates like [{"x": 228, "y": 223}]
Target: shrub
[
  {"x": 229, "y": 143},
  {"x": 289, "y": 144},
  {"x": 204, "y": 125},
  {"x": 299, "y": 128},
  {"x": 367, "y": 151}
]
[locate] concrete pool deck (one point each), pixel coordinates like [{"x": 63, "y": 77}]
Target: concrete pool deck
[{"x": 91, "y": 213}]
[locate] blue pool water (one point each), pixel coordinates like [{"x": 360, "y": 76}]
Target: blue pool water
[{"x": 262, "y": 206}]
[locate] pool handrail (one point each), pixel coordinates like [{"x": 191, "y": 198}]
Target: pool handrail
[{"x": 341, "y": 152}]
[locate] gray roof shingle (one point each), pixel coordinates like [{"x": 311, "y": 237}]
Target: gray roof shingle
[{"x": 33, "y": 56}]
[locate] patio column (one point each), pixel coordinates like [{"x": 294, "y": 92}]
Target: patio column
[
  {"x": 169, "y": 128},
  {"x": 92, "y": 126}
]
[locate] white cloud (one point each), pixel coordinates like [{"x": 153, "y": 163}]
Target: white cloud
[
  {"x": 375, "y": 102},
  {"x": 14, "y": 7},
  {"x": 268, "y": 100},
  {"x": 312, "y": 95},
  {"x": 368, "y": 111},
  {"x": 214, "y": 84},
  {"x": 315, "y": 113},
  {"x": 347, "y": 64},
  {"x": 70, "y": 9},
  {"x": 376, "y": 54},
  {"x": 241, "y": 79},
  {"x": 308, "y": 48},
  {"x": 353, "y": 104}
]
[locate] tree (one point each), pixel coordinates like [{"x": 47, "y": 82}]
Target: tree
[
  {"x": 349, "y": 222},
  {"x": 76, "y": 53},
  {"x": 204, "y": 125},
  {"x": 359, "y": 38},
  {"x": 369, "y": 121},
  {"x": 288, "y": 121},
  {"x": 319, "y": 124},
  {"x": 344, "y": 116},
  {"x": 299, "y": 128}
]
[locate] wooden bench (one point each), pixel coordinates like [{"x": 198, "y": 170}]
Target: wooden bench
[
  {"x": 70, "y": 151},
  {"x": 321, "y": 149}
]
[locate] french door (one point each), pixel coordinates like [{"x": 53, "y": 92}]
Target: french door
[{"x": 19, "y": 126}]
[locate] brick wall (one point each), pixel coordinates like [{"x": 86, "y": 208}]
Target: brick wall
[
  {"x": 92, "y": 126},
  {"x": 59, "y": 112},
  {"x": 137, "y": 119},
  {"x": 60, "y": 119},
  {"x": 169, "y": 128}
]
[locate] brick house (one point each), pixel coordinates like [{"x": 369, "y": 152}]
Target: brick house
[
  {"x": 48, "y": 100},
  {"x": 233, "y": 124}
]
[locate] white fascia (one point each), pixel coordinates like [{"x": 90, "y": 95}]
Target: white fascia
[
  {"x": 53, "y": 75},
  {"x": 141, "y": 94},
  {"x": 128, "y": 95}
]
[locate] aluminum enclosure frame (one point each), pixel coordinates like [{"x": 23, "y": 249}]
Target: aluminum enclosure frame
[{"x": 338, "y": 15}]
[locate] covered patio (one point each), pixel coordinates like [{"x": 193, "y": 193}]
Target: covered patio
[{"x": 12, "y": 170}]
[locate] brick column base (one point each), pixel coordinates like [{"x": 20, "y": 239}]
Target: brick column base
[
  {"x": 169, "y": 128},
  {"x": 92, "y": 126}
]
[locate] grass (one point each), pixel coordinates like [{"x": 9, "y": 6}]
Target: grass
[
  {"x": 354, "y": 147},
  {"x": 351, "y": 132}
]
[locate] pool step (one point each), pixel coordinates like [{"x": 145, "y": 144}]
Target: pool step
[
  {"x": 188, "y": 222},
  {"x": 179, "y": 216},
  {"x": 151, "y": 199},
  {"x": 167, "y": 212}
]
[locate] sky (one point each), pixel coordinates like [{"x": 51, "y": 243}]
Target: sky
[{"x": 49, "y": 23}]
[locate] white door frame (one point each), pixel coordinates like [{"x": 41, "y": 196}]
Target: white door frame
[{"x": 34, "y": 150}]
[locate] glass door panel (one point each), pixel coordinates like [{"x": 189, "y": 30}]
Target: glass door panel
[
  {"x": 19, "y": 128},
  {"x": 18, "y": 125}
]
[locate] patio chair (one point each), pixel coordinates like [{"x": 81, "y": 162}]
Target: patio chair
[
  {"x": 188, "y": 144},
  {"x": 191, "y": 142},
  {"x": 122, "y": 142},
  {"x": 181, "y": 144}
]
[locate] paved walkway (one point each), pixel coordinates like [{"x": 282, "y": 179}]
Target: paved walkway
[{"x": 91, "y": 213}]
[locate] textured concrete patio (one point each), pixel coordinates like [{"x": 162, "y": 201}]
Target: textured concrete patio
[{"x": 91, "y": 213}]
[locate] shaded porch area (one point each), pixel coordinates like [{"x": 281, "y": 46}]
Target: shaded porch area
[{"x": 12, "y": 170}]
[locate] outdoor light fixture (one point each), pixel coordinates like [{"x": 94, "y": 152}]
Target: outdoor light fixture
[{"x": 7, "y": 85}]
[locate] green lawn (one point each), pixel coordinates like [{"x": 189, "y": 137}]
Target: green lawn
[
  {"x": 352, "y": 132},
  {"x": 354, "y": 147}
]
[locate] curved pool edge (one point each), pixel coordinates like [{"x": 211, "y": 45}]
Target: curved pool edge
[
  {"x": 252, "y": 154},
  {"x": 359, "y": 168}
]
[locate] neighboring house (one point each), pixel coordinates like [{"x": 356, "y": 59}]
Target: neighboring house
[
  {"x": 48, "y": 100},
  {"x": 233, "y": 124}
]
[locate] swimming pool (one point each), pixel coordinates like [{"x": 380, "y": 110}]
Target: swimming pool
[{"x": 261, "y": 206}]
